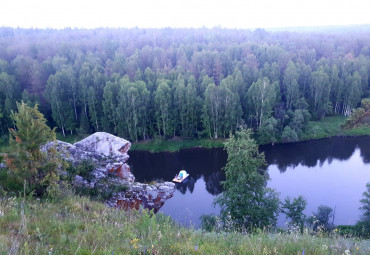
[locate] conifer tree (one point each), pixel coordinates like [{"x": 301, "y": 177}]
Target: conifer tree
[{"x": 27, "y": 162}]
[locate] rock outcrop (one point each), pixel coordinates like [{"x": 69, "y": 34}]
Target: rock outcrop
[
  {"x": 143, "y": 195},
  {"x": 108, "y": 154}
]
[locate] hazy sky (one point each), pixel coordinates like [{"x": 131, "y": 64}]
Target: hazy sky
[{"x": 182, "y": 13}]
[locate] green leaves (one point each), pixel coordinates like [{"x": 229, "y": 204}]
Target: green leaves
[
  {"x": 26, "y": 161},
  {"x": 163, "y": 104},
  {"x": 293, "y": 209},
  {"x": 246, "y": 199},
  {"x": 262, "y": 96},
  {"x": 366, "y": 204},
  {"x": 359, "y": 116},
  {"x": 222, "y": 109}
]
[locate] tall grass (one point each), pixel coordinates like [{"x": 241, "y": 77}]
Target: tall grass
[{"x": 77, "y": 225}]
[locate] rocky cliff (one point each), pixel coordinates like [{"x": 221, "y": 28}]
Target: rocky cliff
[{"x": 108, "y": 154}]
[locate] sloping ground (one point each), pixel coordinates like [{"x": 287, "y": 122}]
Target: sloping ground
[{"x": 75, "y": 225}]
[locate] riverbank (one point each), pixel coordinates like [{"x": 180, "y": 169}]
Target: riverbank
[
  {"x": 331, "y": 126},
  {"x": 325, "y": 128},
  {"x": 158, "y": 145},
  {"x": 76, "y": 225}
]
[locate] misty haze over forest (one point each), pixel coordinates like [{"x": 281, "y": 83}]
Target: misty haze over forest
[{"x": 146, "y": 83}]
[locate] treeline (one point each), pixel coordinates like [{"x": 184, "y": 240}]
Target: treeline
[{"x": 146, "y": 83}]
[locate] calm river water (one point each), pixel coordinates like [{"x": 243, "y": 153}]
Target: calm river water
[{"x": 331, "y": 172}]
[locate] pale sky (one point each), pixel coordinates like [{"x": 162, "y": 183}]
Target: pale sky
[{"x": 182, "y": 13}]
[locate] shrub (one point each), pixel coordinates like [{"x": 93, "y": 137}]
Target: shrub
[
  {"x": 26, "y": 162},
  {"x": 321, "y": 219},
  {"x": 209, "y": 222},
  {"x": 294, "y": 211},
  {"x": 85, "y": 168},
  {"x": 363, "y": 226}
]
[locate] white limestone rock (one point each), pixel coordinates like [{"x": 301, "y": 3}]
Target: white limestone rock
[{"x": 105, "y": 144}]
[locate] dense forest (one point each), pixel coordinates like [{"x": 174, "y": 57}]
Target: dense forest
[{"x": 147, "y": 83}]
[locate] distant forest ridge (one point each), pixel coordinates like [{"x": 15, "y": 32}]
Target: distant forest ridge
[{"x": 146, "y": 83}]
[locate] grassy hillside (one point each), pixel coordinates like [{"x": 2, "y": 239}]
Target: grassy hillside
[{"x": 75, "y": 225}]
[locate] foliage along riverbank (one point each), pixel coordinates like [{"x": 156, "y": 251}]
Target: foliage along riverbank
[
  {"x": 76, "y": 225},
  {"x": 327, "y": 127},
  {"x": 48, "y": 218}
]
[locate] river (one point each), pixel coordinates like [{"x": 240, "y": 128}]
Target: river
[{"x": 331, "y": 172}]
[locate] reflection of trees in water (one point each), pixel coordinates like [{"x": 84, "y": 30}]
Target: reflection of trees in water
[
  {"x": 197, "y": 162},
  {"x": 181, "y": 187},
  {"x": 364, "y": 146},
  {"x": 311, "y": 153},
  {"x": 186, "y": 185},
  {"x": 213, "y": 182},
  {"x": 209, "y": 162}
]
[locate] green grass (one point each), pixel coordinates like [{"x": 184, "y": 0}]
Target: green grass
[
  {"x": 70, "y": 138},
  {"x": 77, "y": 225},
  {"x": 158, "y": 145},
  {"x": 327, "y": 127},
  {"x": 331, "y": 126},
  {"x": 362, "y": 130}
]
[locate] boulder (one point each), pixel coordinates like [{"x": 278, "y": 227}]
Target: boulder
[
  {"x": 109, "y": 155},
  {"x": 106, "y": 151},
  {"x": 105, "y": 144},
  {"x": 140, "y": 195}
]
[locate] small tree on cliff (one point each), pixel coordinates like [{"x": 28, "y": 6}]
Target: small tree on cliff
[
  {"x": 246, "y": 201},
  {"x": 26, "y": 162}
]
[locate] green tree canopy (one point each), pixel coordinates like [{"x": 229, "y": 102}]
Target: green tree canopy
[
  {"x": 26, "y": 161},
  {"x": 363, "y": 225},
  {"x": 246, "y": 201},
  {"x": 293, "y": 209}
]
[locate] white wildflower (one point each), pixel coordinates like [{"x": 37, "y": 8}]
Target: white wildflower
[{"x": 347, "y": 252}]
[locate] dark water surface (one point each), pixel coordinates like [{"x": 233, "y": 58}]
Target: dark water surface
[{"x": 331, "y": 172}]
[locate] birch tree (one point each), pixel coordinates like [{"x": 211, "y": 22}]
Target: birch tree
[{"x": 262, "y": 96}]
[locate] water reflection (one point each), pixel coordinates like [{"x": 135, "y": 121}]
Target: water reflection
[
  {"x": 328, "y": 171},
  {"x": 208, "y": 163},
  {"x": 313, "y": 153},
  {"x": 188, "y": 184},
  {"x": 199, "y": 162}
]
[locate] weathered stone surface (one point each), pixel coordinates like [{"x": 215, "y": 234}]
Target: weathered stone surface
[
  {"x": 106, "y": 151},
  {"x": 105, "y": 144},
  {"x": 143, "y": 195},
  {"x": 109, "y": 154}
]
